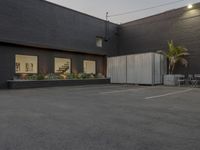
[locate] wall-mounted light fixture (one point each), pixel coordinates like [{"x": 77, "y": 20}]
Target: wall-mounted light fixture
[{"x": 190, "y": 6}]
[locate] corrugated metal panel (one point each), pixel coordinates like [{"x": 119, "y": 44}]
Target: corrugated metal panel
[
  {"x": 157, "y": 69},
  {"x": 147, "y": 68},
  {"x": 139, "y": 69},
  {"x": 116, "y": 69}
]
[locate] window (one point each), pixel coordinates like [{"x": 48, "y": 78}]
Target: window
[
  {"x": 99, "y": 42},
  {"x": 62, "y": 65},
  {"x": 26, "y": 64},
  {"x": 89, "y": 66}
]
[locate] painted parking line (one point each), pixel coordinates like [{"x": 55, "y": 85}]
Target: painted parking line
[
  {"x": 96, "y": 87},
  {"x": 85, "y": 87},
  {"x": 169, "y": 94},
  {"x": 122, "y": 91},
  {"x": 106, "y": 86}
]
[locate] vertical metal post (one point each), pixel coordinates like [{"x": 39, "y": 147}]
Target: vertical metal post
[
  {"x": 106, "y": 16},
  {"x": 106, "y": 27}
]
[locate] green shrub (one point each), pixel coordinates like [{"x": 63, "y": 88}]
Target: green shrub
[
  {"x": 83, "y": 76},
  {"x": 70, "y": 76},
  {"x": 75, "y": 75},
  {"x": 91, "y": 76},
  {"x": 52, "y": 76},
  {"x": 32, "y": 77},
  {"x": 40, "y": 77}
]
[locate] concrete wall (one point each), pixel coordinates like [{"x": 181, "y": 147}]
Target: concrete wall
[
  {"x": 45, "y": 60},
  {"x": 42, "y": 24},
  {"x": 152, "y": 34}
]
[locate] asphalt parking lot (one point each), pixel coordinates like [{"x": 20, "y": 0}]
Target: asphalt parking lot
[{"x": 100, "y": 117}]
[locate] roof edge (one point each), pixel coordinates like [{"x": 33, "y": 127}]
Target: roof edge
[
  {"x": 196, "y": 5},
  {"x": 64, "y": 7}
]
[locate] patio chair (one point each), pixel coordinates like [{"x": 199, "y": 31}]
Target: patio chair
[
  {"x": 189, "y": 79},
  {"x": 190, "y": 76},
  {"x": 181, "y": 79},
  {"x": 192, "y": 80},
  {"x": 196, "y": 80}
]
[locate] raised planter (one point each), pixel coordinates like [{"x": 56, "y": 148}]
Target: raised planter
[
  {"x": 22, "y": 84},
  {"x": 171, "y": 79}
]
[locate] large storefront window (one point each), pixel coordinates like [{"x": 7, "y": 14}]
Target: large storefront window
[
  {"x": 26, "y": 64},
  {"x": 89, "y": 66},
  {"x": 62, "y": 65}
]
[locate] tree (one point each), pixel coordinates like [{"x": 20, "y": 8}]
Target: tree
[{"x": 174, "y": 55}]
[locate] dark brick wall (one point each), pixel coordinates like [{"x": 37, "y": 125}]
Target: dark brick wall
[
  {"x": 46, "y": 60},
  {"x": 152, "y": 33},
  {"x": 43, "y": 24}
]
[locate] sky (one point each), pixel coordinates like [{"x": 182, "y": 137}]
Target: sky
[{"x": 98, "y": 8}]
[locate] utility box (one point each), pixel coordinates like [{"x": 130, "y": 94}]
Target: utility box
[{"x": 147, "y": 69}]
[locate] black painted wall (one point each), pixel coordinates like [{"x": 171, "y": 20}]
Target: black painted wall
[
  {"x": 152, "y": 34},
  {"x": 45, "y": 60},
  {"x": 43, "y": 24}
]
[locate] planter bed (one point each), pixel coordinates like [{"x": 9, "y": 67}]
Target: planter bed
[
  {"x": 172, "y": 79},
  {"x": 22, "y": 84}
]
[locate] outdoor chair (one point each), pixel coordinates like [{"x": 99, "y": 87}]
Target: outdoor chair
[
  {"x": 196, "y": 80},
  {"x": 181, "y": 79},
  {"x": 189, "y": 79},
  {"x": 192, "y": 80}
]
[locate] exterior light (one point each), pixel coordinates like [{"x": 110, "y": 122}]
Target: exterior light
[{"x": 190, "y": 6}]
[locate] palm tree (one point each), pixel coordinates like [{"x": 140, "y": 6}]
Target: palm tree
[{"x": 175, "y": 54}]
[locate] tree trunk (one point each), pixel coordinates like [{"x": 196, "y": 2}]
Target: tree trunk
[
  {"x": 173, "y": 68},
  {"x": 169, "y": 68}
]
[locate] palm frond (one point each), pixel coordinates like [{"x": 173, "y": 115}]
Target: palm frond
[
  {"x": 162, "y": 52},
  {"x": 183, "y": 61},
  {"x": 176, "y": 54},
  {"x": 183, "y": 54}
]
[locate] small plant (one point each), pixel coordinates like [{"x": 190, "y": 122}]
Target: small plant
[
  {"x": 40, "y": 77},
  {"x": 174, "y": 55},
  {"x": 82, "y": 76},
  {"x": 70, "y": 76},
  {"x": 32, "y": 77},
  {"x": 53, "y": 76},
  {"x": 91, "y": 76},
  {"x": 75, "y": 75}
]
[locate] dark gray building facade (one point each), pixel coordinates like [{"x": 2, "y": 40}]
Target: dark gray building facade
[
  {"x": 42, "y": 29},
  {"x": 152, "y": 34},
  {"x": 48, "y": 31}
]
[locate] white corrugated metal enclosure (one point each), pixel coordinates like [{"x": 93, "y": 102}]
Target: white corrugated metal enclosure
[
  {"x": 147, "y": 68},
  {"x": 116, "y": 69}
]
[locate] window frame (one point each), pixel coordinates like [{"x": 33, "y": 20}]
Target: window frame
[
  {"x": 90, "y": 60},
  {"x": 26, "y": 72},
  {"x": 54, "y": 64},
  {"x": 99, "y": 38}
]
